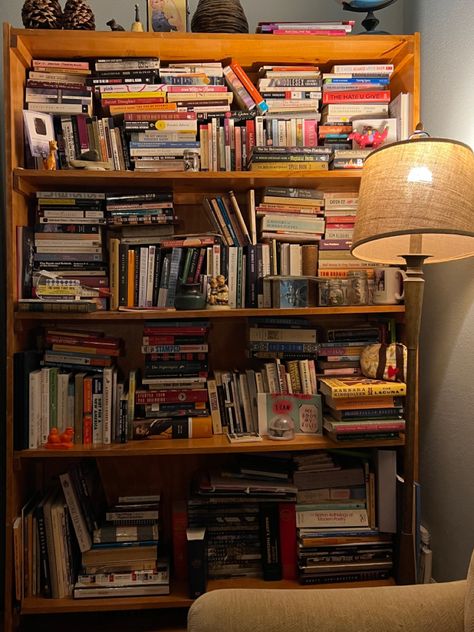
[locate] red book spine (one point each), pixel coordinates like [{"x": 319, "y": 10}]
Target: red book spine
[
  {"x": 179, "y": 523},
  {"x": 372, "y": 96},
  {"x": 287, "y": 520},
  {"x": 174, "y": 331},
  {"x": 87, "y": 412},
  {"x": 157, "y": 397},
  {"x": 250, "y": 128},
  {"x": 340, "y": 219}
]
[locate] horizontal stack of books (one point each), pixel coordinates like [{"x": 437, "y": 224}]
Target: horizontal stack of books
[
  {"x": 338, "y": 538},
  {"x": 306, "y": 28},
  {"x": 63, "y": 257},
  {"x": 123, "y": 558},
  {"x": 172, "y": 402},
  {"x": 241, "y": 513},
  {"x": 353, "y": 93}
]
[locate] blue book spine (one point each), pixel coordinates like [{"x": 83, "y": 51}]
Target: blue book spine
[
  {"x": 226, "y": 218},
  {"x": 297, "y": 347}
]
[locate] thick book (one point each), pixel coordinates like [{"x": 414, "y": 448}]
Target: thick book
[
  {"x": 338, "y": 388},
  {"x": 79, "y": 523},
  {"x": 197, "y": 561},
  {"x": 321, "y": 518},
  {"x": 287, "y": 527},
  {"x": 270, "y": 541}
]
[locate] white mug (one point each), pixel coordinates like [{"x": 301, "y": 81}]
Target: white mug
[{"x": 388, "y": 286}]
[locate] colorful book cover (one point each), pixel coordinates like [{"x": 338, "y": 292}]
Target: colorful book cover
[
  {"x": 304, "y": 410},
  {"x": 360, "y": 387}
]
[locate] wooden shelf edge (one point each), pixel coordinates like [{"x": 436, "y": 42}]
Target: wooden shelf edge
[
  {"x": 218, "y": 444},
  {"x": 212, "y": 314},
  {"x": 177, "y": 598},
  {"x": 26, "y": 181}
]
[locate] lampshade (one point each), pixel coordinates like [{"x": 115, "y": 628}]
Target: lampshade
[{"x": 416, "y": 197}]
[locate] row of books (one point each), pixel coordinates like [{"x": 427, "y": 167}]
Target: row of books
[
  {"x": 70, "y": 543},
  {"x": 75, "y": 383},
  {"x": 152, "y": 126}
]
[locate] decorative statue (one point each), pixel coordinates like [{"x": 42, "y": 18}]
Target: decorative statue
[
  {"x": 217, "y": 293},
  {"x": 49, "y": 162},
  {"x": 369, "y": 137},
  {"x": 114, "y": 26}
]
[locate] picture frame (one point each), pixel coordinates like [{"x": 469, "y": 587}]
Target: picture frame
[
  {"x": 167, "y": 16},
  {"x": 39, "y": 131}
]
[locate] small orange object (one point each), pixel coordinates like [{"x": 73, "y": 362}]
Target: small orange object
[
  {"x": 49, "y": 162},
  {"x": 60, "y": 441}
]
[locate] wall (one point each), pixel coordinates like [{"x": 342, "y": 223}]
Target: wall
[
  {"x": 123, "y": 12},
  {"x": 447, "y": 361}
]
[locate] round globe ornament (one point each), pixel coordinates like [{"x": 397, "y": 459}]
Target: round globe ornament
[
  {"x": 281, "y": 428},
  {"x": 370, "y": 22}
]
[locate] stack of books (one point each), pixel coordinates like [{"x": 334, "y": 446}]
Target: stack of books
[
  {"x": 340, "y": 354},
  {"x": 306, "y": 28},
  {"x": 122, "y": 559},
  {"x": 356, "y": 92},
  {"x": 67, "y": 243},
  {"x": 335, "y": 519},
  {"x": 290, "y": 157},
  {"x": 241, "y": 513},
  {"x": 159, "y": 140},
  {"x": 363, "y": 408},
  {"x": 125, "y": 70},
  {"x": 291, "y": 89},
  {"x": 140, "y": 208},
  {"x": 173, "y": 399},
  {"x": 292, "y": 216}
]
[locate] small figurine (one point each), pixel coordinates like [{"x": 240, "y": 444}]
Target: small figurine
[
  {"x": 369, "y": 137},
  {"x": 60, "y": 441},
  {"x": 137, "y": 26},
  {"x": 217, "y": 293},
  {"x": 114, "y": 26},
  {"x": 50, "y": 162}
]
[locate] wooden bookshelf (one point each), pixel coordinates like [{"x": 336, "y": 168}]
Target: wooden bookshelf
[{"x": 172, "y": 462}]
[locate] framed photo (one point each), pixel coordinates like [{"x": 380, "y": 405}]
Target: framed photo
[
  {"x": 167, "y": 15},
  {"x": 39, "y": 131}
]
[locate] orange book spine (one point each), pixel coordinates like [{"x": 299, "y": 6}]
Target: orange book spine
[{"x": 248, "y": 85}]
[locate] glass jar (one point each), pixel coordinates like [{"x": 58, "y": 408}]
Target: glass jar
[
  {"x": 335, "y": 292},
  {"x": 358, "y": 290}
]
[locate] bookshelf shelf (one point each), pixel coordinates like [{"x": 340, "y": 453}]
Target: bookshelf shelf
[
  {"x": 177, "y": 599},
  {"x": 215, "y": 445},
  {"x": 210, "y": 314},
  {"x": 27, "y": 181},
  {"x": 173, "y": 462}
]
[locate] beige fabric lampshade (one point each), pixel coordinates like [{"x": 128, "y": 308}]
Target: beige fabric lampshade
[{"x": 416, "y": 197}]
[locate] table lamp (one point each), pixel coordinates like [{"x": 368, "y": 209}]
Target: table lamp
[{"x": 416, "y": 206}]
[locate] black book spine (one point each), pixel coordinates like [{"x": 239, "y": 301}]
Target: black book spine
[
  {"x": 58, "y": 132},
  {"x": 251, "y": 298},
  {"x": 75, "y": 135},
  {"x": 24, "y": 363},
  {"x": 45, "y": 577},
  {"x": 269, "y": 541},
  {"x": 136, "y": 286},
  {"x": 123, "y": 274},
  {"x": 197, "y": 561}
]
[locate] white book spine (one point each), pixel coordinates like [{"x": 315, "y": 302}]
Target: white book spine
[
  {"x": 267, "y": 288},
  {"x": 305, "y": 377},
  {"x": 45, "y": 375},
  {"x": 142, "y": 282},
  {"x": 97, "y": 410},
  {"x": 296, "y": 261},
  {"x": 107, "y": 406},
  {"x": 232, "y": 280},
  {"x": 35, "y": 410},
  {"x": 332, "y": 518},
  {"x": 271, "y": 372},
  {"x": 216, "y": 260},
  {"x": 78, "y": 521},
  {"x": 150, "y": 275}
]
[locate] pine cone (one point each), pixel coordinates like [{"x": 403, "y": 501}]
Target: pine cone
[
  {"x": 42, "y": 14},
  {"x": 78, "y": 16}
]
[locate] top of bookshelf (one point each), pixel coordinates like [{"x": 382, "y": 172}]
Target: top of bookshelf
[{"x": 250, "y": 49}]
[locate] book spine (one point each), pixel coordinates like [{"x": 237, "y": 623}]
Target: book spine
[
  {"x": 287, "y": 526},
  {"x": 269, "y": 541},
  {"x": 179, "y": 523},
  {"x": 197, "y": 562},
  {"x": 75, "y": 511},
  {"x": 214, "y": 407}
]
